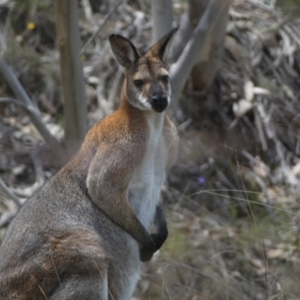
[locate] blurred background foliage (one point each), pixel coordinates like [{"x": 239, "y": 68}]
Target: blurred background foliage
[{"x": 289, "y": 6}]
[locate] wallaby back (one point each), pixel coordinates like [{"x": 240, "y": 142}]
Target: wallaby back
[{"x": 83, "y": 234}]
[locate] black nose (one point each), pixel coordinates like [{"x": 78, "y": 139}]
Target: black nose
[{"x": 159, "y": 102}]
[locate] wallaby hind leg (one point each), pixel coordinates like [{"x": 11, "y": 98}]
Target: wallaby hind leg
[
  {"x": 83, "y": 287},
  {"x": 81, "y": 266},
  {"x": 77, "y": 271}
]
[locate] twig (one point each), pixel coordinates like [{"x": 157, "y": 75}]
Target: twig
[
  {"x": 7, "y": 217},
  {"x": 182, "y": 127},
  {"x": 115, "y": 87},
  {"x": 276, "y": 26},
  {"x": 14, "y": 101},
  {"x": 26, "y": 192},
  {"x": 38, "y": 169},
  {"x": 106, "y": 106},
  {"x": 291, "y": 32},
  {"x": 9, "y": 193},
  {"x": 94, "y": 35},
  {"x": 32, "y": 111},
  {"x": 260, "y": 131}
]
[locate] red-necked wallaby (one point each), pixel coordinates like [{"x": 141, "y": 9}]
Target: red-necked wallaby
[{"x": 83, "y": 234}]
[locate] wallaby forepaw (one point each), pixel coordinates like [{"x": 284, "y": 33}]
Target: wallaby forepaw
[
  {"x": 147, "y": 252},
  {"x": 145, "y": 255},
  {"x": 158, "y": 239}
]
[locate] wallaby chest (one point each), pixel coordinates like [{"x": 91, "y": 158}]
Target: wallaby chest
[{"x": 144, "y": 188}]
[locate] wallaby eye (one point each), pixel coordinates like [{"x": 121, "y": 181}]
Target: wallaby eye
[
  {"x": 138, "y": 83},
  {"x": 165, "y": 78}
]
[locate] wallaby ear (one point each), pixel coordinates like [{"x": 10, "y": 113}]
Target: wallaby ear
[
  {"x": 162, "y": 48},
  {"x": 124, "y": 51}
]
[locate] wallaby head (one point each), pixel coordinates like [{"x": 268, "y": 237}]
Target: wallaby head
[{"x": 147, "y": 84}]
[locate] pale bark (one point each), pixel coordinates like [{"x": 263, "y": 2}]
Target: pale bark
[
  {"x": 161, "y": 12},
  {"x": 182, "y": 36},
  {"x": 75, "y": 108},
  {"x": 201, "y": 46},
  {"x": 188, "y": 23},
  {"x": 204, "y": 71}
]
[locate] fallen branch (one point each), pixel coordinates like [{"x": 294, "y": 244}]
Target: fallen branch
[
  {"x": 32, "y": 111},
  {"x": 9, "y": 193},
  {"x": 14, "y": 101}
]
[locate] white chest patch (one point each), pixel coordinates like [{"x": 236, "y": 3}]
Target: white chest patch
[{"x": 145, "y": 186}]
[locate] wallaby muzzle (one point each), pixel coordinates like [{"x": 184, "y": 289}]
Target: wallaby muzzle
[{"x": 159, "y": 102}]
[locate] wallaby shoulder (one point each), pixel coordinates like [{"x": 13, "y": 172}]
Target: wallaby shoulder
[
  {"x": 121, "y": 136},
  {"x": 125, "y": 126},
  {"x": 70, "y": 236}
]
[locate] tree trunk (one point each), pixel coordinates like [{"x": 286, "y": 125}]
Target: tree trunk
[
  {"x": 75, "y": 110},
  {"x": 204, "y": 71},
  {"x": 201, "y": 54},
  {"x": 161, "y": 12}
]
